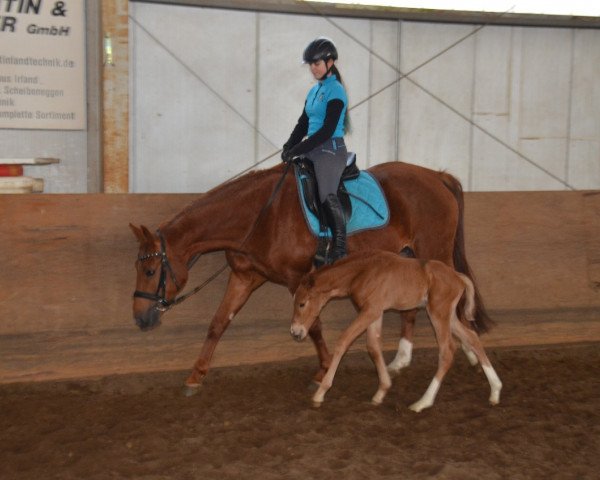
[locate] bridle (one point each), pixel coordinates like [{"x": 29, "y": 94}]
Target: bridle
[{"x": 160, "y": 296}]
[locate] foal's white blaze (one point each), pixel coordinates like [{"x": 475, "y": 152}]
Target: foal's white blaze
[
  {"x": 403, "y": 357},
  {"x": 428, "y": 398}
]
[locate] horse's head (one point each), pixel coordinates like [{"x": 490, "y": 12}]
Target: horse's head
[
  {"x": 161, "y": 274},
  {"x": 308, "y": 303}
]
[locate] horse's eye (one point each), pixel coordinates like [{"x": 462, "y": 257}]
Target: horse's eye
[
  {"x": 149, "y": 273},
  {"x": 302, "y": 305}
]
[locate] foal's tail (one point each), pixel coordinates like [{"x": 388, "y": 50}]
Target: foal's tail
[
  {"x": 469, "y": 295},
  {"x": 482, "y": 322}
]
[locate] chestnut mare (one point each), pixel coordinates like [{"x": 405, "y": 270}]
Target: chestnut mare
[
  {"x": 378, "y": 281},
  {"x": 265, "y": 238}
]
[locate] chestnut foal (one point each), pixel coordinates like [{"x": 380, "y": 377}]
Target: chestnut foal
[{"x": 377, "y": 281}]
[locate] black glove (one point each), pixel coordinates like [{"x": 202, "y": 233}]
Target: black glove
[{"x": 286, "y": 155}]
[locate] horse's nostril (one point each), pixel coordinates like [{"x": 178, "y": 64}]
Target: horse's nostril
[{"x": 296, "y": 334}]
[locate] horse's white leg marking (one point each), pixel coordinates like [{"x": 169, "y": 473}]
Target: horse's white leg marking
[
  {"x": 374, "y": 348},
  {"x": 428, "y": 398},
  {"x": 470, "y": 355},
  {"x": 443, "y": 335},
  {"x": 403, "y": 357},
  {"x": 471, "y": 339},
  {"x": 495, "y": 383}
]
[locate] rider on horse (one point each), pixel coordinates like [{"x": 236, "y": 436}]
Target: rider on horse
[{"x": 323, "y": 122}]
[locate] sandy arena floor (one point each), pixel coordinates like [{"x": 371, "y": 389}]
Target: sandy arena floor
[{"x": 257, "y": 422}]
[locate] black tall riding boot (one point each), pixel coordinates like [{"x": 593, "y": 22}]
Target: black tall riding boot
[{"x": 334, "y": 215}]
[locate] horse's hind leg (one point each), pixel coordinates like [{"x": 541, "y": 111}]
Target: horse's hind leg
[
  {"x": 471, "y": 339},
  {"x": 404, "y": 355},
  {"x": 240, "y": 287},
  {"x": 374, "y": 348},
  {"x": 441, "y": 325}
]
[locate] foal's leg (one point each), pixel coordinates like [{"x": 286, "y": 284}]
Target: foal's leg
[
  {"x": 405, "y": 346},
  {"x": 471, "y": 357},
  {"x": 240, "y": 287},
  {"x": 470, "y": 338},
  {"x": 316, "y": 334},
  {"x": 441, "y": 325},
  {"x": 358, "y": 326},
  {"x": 374, "y": 348}
]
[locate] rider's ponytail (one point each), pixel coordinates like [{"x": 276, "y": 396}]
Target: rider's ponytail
[{"x": 336, "y": 72}]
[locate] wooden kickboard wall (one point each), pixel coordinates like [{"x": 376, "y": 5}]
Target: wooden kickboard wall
[{"x": 67, "y": 264}]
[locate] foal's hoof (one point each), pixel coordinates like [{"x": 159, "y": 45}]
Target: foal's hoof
[
  {"x": 394, "y": 369},
  {"x": 419, "y": 406},
  {"x": 191, "y": 390}
]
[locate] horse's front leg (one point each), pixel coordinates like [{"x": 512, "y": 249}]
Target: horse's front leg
[
  {"x": 316, "y": 334},
  {"x": 405, "y": 346},
  {"x": 239, "y": 288}
]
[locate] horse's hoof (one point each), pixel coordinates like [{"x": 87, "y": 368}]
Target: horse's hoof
[
  {"x": 395, "y": 370},
  {"x": 418, "y": 407},
  {"x": 191, "y": 390},
  {"x": 317, "y": 404},
  {"x": 313, "y": 386}
]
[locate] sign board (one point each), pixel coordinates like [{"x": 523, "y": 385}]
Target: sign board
[{"x": 42, "y": 64}]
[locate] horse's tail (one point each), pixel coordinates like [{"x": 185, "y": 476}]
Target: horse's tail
[
  {"x": 482, "y": 321},
  {"x": 469, "y": 295}
]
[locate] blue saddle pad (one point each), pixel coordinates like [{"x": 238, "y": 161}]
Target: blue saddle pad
[{"x": 369, "y": 206}]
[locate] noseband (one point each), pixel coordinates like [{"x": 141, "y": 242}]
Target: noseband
[{"x": 160, "y": 297}]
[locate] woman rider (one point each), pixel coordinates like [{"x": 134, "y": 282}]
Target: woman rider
[{"x": 323, "y": 122}]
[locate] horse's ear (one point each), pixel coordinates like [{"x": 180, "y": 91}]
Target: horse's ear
[
  {"x": 137, "y": 232},
  {"x": 142, "y": 234},
  {"x": 147, "y": 234},
  {"x": 307, "y": 281}
]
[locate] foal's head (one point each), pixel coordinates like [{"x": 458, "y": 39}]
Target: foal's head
[
  {"x": 308, "y": 303},
  {"x": 161, "y": 274}
]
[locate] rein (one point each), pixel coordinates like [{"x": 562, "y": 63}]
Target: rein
[{"x": 160, "y": 296}]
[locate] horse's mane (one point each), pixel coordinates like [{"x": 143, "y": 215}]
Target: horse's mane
[
  {"x": 249, "y": 179},
  {"x": 247, "y": 184}
]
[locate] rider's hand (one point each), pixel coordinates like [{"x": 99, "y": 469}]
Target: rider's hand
[{"x": 286, "y": 155}]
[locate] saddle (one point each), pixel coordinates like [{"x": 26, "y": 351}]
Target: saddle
[{"x": 310, "y": 190}]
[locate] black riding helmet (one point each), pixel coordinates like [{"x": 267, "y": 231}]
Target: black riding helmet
[{"x": 321, "y": 48}]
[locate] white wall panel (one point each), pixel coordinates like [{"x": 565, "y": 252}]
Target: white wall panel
[
  {"x": 384, "y": 106},
  {"x": 231, "y": 87},
  {"x": 193, "y": 97},
  {"x": 433, "y": 135},
  {"x": 584, "y": 147}
]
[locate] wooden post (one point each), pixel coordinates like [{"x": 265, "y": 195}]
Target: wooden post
[{"x": 115, "y": 102}]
